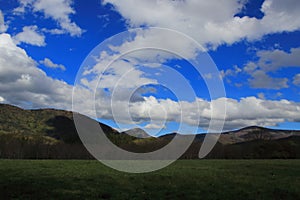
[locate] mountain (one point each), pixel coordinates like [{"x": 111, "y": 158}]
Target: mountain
[
  {"x": 255, "y": 133},
  {"x": 57, "y": 124},
  {"x": 45, "y": 133},
  {"x": 50, "y": 133},
  {"x": 137, "y": 132},
  {"x": 285, "y": 148}
]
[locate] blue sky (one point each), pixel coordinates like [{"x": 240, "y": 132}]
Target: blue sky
[{"x": 254, "y": 44}]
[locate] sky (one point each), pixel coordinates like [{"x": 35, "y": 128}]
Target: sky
[{"x": 165, "y": 66}]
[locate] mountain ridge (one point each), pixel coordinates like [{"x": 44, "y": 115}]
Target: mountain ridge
[
  {"x": 136, "y": 132},
  {"x": 50, "y": 130}
]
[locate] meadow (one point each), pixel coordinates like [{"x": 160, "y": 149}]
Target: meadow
[{"x": 184, "y": 179}]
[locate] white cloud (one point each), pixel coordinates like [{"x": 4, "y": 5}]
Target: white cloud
[
  {"x": 158, "y": 45},
  {"x": 227, "y": 74},
  {"x": 231, "y": 72},
  {"x": 23, "y": 5},
  {"x": 121, "y": 83},
  {"x": 120, "y": 73},
  {"x": 271, "y": 61},
  {"x": 260, "y": 79},
  {"x": 23, "y": 84},
  {"x": 155, "y": 126},
  {"x": 58, "y": 10},
  {"x": 30, "y": 35},
  {"x": 54, "y": 31},
  {"x": 296, "y": 80},
  {"x": 276, "y": 59},
  {"x": 253, "y": 111},
  {"x": 211, "y": 22},
  {"x": 48, "y": 63},
  {"x": 240, "y": 113},
  {"x": 3, "y": 26}
]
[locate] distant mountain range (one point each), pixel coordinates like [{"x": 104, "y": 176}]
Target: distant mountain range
[{"x": 50, "y": 133}]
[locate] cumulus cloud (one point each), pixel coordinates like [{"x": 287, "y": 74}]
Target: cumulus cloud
[
  {"x": 231, "y": 72},
  {"x": 30, "y": 35},
  {"x": 119, "y": 77},
  {"x": 23, "y": 84},
  {"x": 54, "y": 31},
  {"x": 159, "y": 39},
  {"x": 155, "y": 126},
  {"x": 240, "y": 113},
  {"x": 211, "y": 23},
  {"x": 58, "y": 10},
  {"x": 3, "y": 26},
  {"x": 268, "y": 62},
  {"x": 253, "y": 111},
  {"x": 48, "y": 63},
  {"x": 23, "y": 5},
  {"x": 121, "y": 74},
  {"x": 273, "y": 60},
  {"x": 262, "y": 80}
]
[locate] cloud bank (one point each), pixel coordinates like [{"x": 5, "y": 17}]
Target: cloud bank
[{"x": 211, "y": 23}]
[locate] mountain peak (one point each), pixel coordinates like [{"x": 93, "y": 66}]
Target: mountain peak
[{"x": 137, "y": 132}]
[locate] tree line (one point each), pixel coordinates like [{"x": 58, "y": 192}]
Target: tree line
[{"x": 21, "y": 146}]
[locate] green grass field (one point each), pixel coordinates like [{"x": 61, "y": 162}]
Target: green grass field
[{"x": 186, "y": 179}]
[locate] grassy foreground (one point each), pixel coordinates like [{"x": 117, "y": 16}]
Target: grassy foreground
[{"x": 185, "y": 179}]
